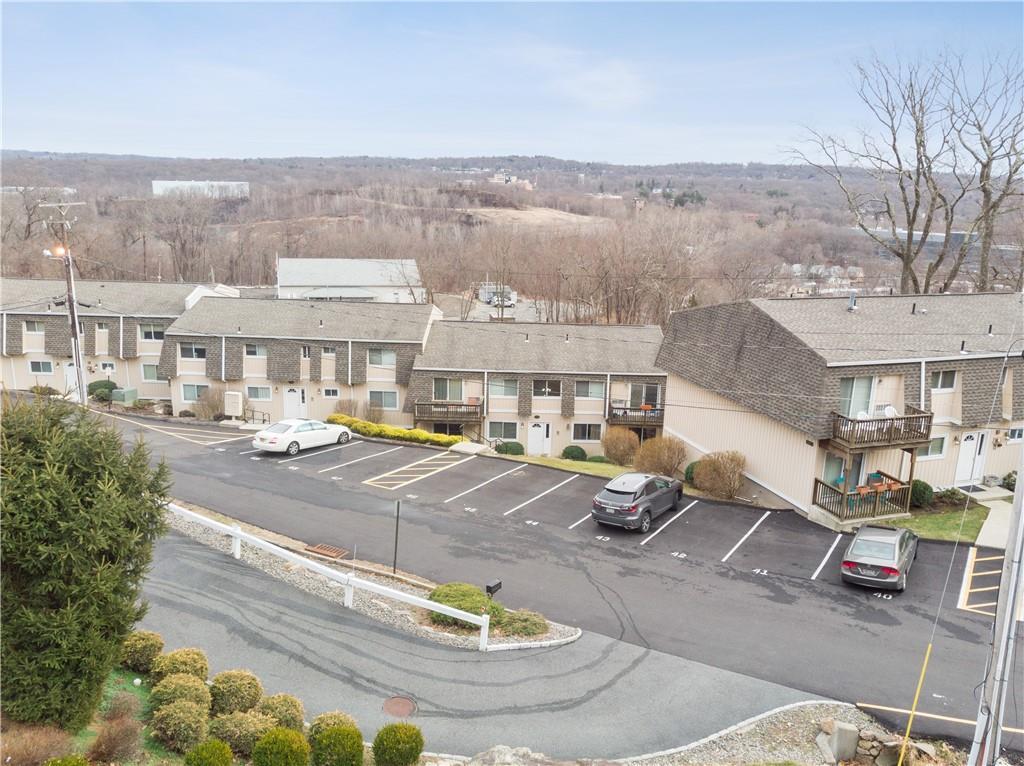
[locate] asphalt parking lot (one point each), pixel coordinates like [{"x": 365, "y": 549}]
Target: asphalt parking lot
[{"x": 738, "y": 588}]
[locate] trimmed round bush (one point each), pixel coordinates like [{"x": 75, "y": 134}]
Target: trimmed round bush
[
  {"x": 466, "y": 597},
  {"x": 691, "y": 469},
  {"x": 140, "y": 649},
  {"x": 190, "y": 661},
  {"x": 241, "y": 730},
  {"x": 101, "y": 385},
  {"x": 212, "y": 752},
  {"x": 598, "y": 459},
  {"x": 180, "y": 725},
  {"x": 523, "y": 623},
  {"x": 103, "y": 395},
  {"x": 285, "y": 709},
  {"x": 329, "y": 720},
  {"x": 180, "y": 686},
  {"x": 281, "y": 747},
  {"x": 921, "y": 493},
  {"x": 235, "y": 691},
  {"x": 68, "y": 760},
  {"x": 574, "y": 452},
  {"x": 338, "y": 746},
  {"x": 510, "y": 448},
  {"x": 397, "y": 744}
]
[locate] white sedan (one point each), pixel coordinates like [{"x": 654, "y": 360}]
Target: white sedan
[{"x": 299, "y": 433}]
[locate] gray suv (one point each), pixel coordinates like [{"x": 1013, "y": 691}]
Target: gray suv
[
  {"x": 879, "y": 557},
  {"x": 634, "y": 500}
]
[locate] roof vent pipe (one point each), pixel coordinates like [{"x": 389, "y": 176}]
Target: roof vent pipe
[
  {"x": 990, "y": 331},
  {"x": 913, "y": 308},
  {"x": 321, "y": 323},
  {"x": 853, "y": 302},
  {"x": 963, "y": 350},
  {"x": 567, "y": 337},
  {"x": 527, "y": 338},
  {"x": 239, "y": 329}
]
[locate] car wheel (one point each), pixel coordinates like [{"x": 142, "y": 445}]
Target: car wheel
[
  {"x": 343, "y": 437},
  {"x": 645, "y": 523},
  {"x": 678, "y": 499},
  {"x": 293, "y": 448}
]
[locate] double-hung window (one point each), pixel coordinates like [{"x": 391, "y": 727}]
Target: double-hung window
[
  {"x": 386, "y": 400},
  {"x": 589, "y": 389},
  {"x": 382, "y": 357},
  {"x": 586, "y": 432},
  {"x": 151, "y": 331},
  {"x": 107, "y": 367},
  {"x": 1015, "y": 434},
  {"x": 502, "y": 430},
  {"x": 190, "y": 392},
  {"x": 149, "y": 372},
  {"x": 41, "y": 368},
  {"x": 258, "y": 393},
  {"x": 305, "y": 352},
  {"x": 255, "y": 349},
  {"x": 503, "y": 387},
  {"x": 936, "y": 448},
  {"x": 549, "y": 388},
  {"x": 192, "y": 351},
  {"x": 34, "y": 327},
  {"x": 447, "y": 390},
  {"x": 943, "y": 380},
  {"x": 327, "y": 351},
  {"x": 331, "y": 393}
]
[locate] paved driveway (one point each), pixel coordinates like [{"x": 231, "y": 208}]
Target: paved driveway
[
  {"x": 728, "y": 586},
  {"x": 597, "y": 697}
]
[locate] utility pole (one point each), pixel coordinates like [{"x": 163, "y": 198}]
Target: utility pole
[
  {"x": 61, "y": 229},
  {"x": 988, "y": 732}
]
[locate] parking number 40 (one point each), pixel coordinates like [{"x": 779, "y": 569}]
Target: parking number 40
[{"x": 886, "y": 596}]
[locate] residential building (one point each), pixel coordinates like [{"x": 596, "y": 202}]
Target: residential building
[
  {"x": 368, "y": 280},
  {"x": 292, "y": 358},
  {"x": 838, "y": 404},
  {"x": 212, "y": 189},
  {"x": 544, "y": 385},
  {"x": 121, "y": 326}
]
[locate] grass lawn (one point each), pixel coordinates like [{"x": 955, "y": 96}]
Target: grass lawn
[
  {"x": 943, "y": 525},
  {"x": 606, "y": 470}
]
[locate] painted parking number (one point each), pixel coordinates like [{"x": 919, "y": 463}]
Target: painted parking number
[
  {"x": 602, "y": 538},
  {"x": 759, "y": 571},
  {"x": 886, "y": 596},
  {"x": 678, "y": 554},
  {"x": 533, "y": 523}
]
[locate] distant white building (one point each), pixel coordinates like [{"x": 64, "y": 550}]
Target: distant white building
[
  {"x": 510, "y": 180},
  {"x": 369, "y": 280},
  {"x": 213, "y": 189}
]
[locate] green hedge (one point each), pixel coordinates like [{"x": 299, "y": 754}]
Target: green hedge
[
  {"x": 574, "y": 452},
  {"x": 921, "y": 494},
  {"x": 523, "y": 623},
  {"x": 281, "y": 747},
  {"x": 285, "y": 709},
  {"x": 510, "y": 448},
  {"x": 337, "y": 746},
  {"x": 100, "y": 385},
  {"x": 242, "y": 730},
  {"x": 180, "y": 686},
  {"x": 180, "y": 725},
  {"x": 192, "y": 661},
  {"x": 329, "y": 720},
  {"x": 598, "y": 459},
  {"x": 397, "y": 744},
  {"x": 383, "y": 431},
  {"x": 466, "y": 597},
  {"x": 140, "y": 649},
  {"x": 212, "y": 752},
  {"x": 235, "y": 691},
  {"x": 689, "y": 472}
]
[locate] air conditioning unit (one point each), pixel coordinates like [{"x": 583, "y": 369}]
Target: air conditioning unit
[{"x": 233, "y": 404}]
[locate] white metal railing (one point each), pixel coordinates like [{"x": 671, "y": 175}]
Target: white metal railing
[{"x": 350, "y": 582}]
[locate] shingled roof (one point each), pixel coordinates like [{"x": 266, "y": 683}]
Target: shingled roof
[
  {"x": 145, "y": 299},
  {"x": 316, "y": 320},
  {"x": 539, "y": 347}
]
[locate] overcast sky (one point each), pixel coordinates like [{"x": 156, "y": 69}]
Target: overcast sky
[{"x": 632, "y": 83}]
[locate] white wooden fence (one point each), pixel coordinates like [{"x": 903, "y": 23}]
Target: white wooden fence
[{"x": 348, "y": 581}]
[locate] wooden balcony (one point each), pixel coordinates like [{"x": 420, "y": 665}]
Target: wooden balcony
[
  {"x": 883, "y": 498},
  {"x": 451, "y": 412},
  {"x": 636, "y": 416},
  {"x": 909, "y": 430}
]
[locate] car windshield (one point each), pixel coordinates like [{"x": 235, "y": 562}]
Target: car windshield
[
  {"x": 875, "y": 549},
  {"x": 279, "y": 428}
]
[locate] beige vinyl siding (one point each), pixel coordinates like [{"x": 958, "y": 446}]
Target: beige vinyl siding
[
  {"x": 888, "y": 390},
  {"x": 1005, "y": 458},
  {"x": 778, "y": 457}
]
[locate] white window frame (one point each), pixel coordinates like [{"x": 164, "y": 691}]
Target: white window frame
[
  {"x": 491, "y": 383},
  {"x": 198, "y": 393},
  {"x": 383, "y": 394},
  {"x": 194, "y": 347},
  {"x": 589, "y": 384},
  {"x": 503, "y": 423},
  {"x": 928, "y": 455},
  {"x": 256, "y": 349},
  {"x": 156, "y": 373},
  {"x": 40, "y": 362},
  {"x": 332, "y": 393},
  {"x": 268, "y": 398},
  {"x": 152, "y": 329},
  {"x": 305, "y": 352},
  {"x": 108, "y": 367},
  {"x": 1019, "y": 434},
  {"x": 588, "y": 426},
  {"x": 35, "y": 323},
  {"x": 556, "y": 381},
  {"x": 448, "y": 390},
  {"x": 102, "y": 327},
  {"x": 328, "y": 350},
  {"x": 383, "y": 354},
  {"x": 940, "y": 374}
]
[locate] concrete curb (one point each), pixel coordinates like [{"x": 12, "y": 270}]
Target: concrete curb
[
  {"x": 730, "y": 729},
  {"x": 537, "y": 644}
]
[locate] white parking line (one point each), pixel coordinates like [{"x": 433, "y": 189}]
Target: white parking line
[
  {"x": 484, "y": 483},
  {"x": 538, "y": 497},
  {"x": 577, "y": 523},
  {"x": 828, "y": 555},
  {"x": 651, "y": 536},
  {"x": 319, "y": 452},
  {"x": 749, "y": 533},
  {"x": 364, "y": 457},
  {"x": 250, "y": 451}
]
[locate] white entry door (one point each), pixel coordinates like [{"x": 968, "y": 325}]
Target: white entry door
[
  {"x": 71, "y": 382},
  {"x": 294, "y": 402},
  {"x": 538, "y": 440},
  {"x": 970, "y": 462}
]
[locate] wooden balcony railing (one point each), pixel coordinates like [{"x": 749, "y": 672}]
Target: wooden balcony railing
[
  {"x": 870, "y": 501},
  {"x": 901, "y": 431},
  {"x": 448, "y": 411},
  {"x": 635, "y": 416}
]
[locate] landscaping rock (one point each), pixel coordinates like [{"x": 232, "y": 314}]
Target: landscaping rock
[{"x": 828, "y": 725}]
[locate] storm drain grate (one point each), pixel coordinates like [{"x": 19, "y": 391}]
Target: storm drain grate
[
  {"x": 400, "y": 707},
  {"x": 328, "y": 551}
]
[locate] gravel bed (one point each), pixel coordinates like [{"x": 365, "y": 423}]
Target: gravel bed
[
  {"x": 788, "y": 735},
  {"x": 394, "y": 613}
]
